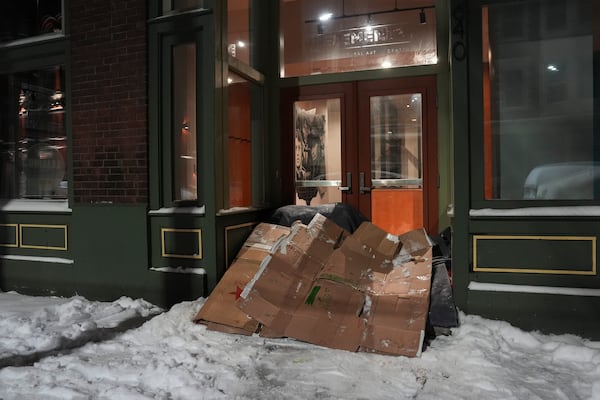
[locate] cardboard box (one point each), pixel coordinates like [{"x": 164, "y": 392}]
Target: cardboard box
[
  {"x": 286, "y": 276},
  {"x": 368, "y": 291},
  {"x": 220, "y": 311}
]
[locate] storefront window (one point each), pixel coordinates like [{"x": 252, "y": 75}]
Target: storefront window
[
  {"x": 26, "y": 18},
  {"x": 33, "y": 143},
  {"x": 184, "y": 123},
  {"x": 329, "y": 36},
  {"x": 540, "y": 140},
  {"x": 239, "y": 140}
]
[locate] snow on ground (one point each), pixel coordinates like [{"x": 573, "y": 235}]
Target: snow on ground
[{"x": 170, "y": 357}]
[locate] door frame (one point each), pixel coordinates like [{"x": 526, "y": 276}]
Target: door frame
[
  {"x": 426, "y": 85},
  {"x": 350, "y": 95}
]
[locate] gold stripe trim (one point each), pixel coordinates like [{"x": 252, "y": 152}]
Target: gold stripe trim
[
  {"x": 591, "y": 239},
  {"x": 34, "y": 246},
  {"x": 16, "y": 243},
  {"x": 171, "y": 255}
]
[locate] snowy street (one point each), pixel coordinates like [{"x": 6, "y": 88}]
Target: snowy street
[{"x": 56, "y": 348}]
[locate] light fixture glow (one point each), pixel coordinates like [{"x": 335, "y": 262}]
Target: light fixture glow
[
  {"x": 325, "y": 16},
  {"x": 241, "y": 43},
  {"x": 386, "y": 64},
  {"x": 368, "y": 27},
  {"x": 552, "y": 67}
]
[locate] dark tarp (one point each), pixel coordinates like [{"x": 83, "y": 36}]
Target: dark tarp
[{"x": 344, "y": 215}]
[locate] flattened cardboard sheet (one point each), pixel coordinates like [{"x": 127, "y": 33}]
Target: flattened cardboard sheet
[
  {"x": 368, "y": 291},
  {"x": 284, "y": 280},
  {"x": 220, "y": 311}
]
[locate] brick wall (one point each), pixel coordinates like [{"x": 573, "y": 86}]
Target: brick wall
[{"x": 109, "y": 101}]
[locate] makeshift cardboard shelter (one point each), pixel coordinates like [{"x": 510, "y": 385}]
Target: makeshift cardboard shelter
[
  {"x": 366, "y": 291},
  {"x": 220, "y": 310}
]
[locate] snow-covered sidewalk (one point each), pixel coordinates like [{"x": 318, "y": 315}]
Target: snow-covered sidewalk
[{"x": 170, "y": 357}]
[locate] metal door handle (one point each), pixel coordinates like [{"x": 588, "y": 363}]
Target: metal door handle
[
  {"x": 361, "y": 182},
  {"x": 348, "y": 187}
]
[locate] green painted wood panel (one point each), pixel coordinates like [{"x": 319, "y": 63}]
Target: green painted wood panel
[{"x": 575, "y": 255}]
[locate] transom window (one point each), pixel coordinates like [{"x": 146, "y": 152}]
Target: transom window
[{"x": 327, "y": 36}]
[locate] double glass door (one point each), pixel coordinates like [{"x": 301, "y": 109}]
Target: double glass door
[{"x": 370, "y": 144}]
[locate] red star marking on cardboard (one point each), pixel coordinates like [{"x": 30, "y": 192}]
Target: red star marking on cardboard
[{"x": 237, "y": 293}]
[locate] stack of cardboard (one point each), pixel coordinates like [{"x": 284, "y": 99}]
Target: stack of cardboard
[
  {"x": 366, "y": 291},
  {"x": 220, "y": 311}
]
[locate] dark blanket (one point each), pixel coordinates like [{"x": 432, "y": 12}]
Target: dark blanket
[{"x": 344, "y": 215}]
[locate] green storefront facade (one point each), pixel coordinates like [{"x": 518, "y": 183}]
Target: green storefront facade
[{"x": 133, "y": 220}]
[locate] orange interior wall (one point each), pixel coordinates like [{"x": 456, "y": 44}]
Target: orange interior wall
[
  {"x": 239, "y": 146},
  {"x": 397, "y": 210}
]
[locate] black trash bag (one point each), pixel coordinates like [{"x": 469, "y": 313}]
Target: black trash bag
[
  {"x": 344, "y": 215},
  {"x": 443, "y": 314},
  {"x": 442, "y": 310}
]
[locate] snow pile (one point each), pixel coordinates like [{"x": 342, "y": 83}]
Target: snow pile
[
  {"x": 169, "y": 357},
  {"x": 33, "y": 326}
]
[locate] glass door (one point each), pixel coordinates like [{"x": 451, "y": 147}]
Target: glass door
[
  {"x": 369, "y": 144},
  {"x": 398, "y": 154},
  {"x": 396, "y": 161},
  {"x": 317, "y": 147},
  {"x": 318, "y": 144}
]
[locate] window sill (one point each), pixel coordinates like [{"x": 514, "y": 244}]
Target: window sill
[
  {"x": 180, "y": 270},
  {"x": 35, "y": 39},
  {"x": 179, "y": 210},
  {"x": 569, "y": 211},
  {"x": 35, "y": 206}
]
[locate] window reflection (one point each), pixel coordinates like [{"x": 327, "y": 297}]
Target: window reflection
[
  {"x": 33, "y": 143},
  {"x": 538, "y": 101},
  {"x": 26, "y": 18},
  {"x": 396, "y": 137}
]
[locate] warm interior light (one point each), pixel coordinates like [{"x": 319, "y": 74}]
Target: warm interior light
[
  {"x": 185, "y": 128},
  {"x": 325, "y": 16},
  {"x": 368, "y": 27}
]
